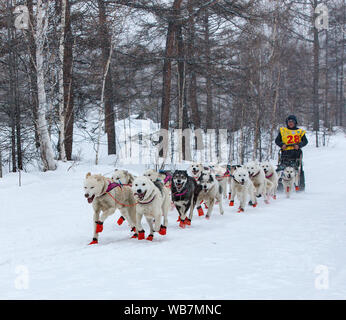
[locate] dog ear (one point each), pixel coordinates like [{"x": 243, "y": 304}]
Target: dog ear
[
  {"x": 131, "y": 178},
  {"x": 88, "y": 175}
]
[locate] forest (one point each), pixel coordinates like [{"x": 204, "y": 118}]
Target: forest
[{"x": 240, "y": 65}]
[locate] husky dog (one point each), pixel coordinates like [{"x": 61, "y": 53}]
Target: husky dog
[
  {"x": 289, "y": 179},
  {"x": 152, "y": 202},
  {"x": 220, "y": 174},
  {"x": 272, "y": 176},
  {"x": 211, "y": 190},
  {"x": 229, "y": 172},
  {"x": 196, "y": 170},
  {"x": 242, "y": 187},
  {"x": 154, "y": 175},
  {"x": 257, "y": 177},
  {"x": 184, "y": 195},
  {"x": 106, "y": 196},
  {"x": 122, "y": 177}
]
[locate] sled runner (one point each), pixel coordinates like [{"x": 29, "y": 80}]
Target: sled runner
[{"x": 291, "y": 160}]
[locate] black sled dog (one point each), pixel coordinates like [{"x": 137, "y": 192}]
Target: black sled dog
[{"x": 185, "y": 191}]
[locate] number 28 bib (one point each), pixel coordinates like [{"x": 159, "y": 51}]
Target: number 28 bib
[{"x": 291, "y": 137}]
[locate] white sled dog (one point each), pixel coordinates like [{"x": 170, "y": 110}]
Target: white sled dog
[
  {"x": 122, "y": 177},
  {"x": 196, "y": 170},
  {"x": 154, "y": 175},
  {"x": 243, "y": 188},
  {"x": 211, "y": 191},
  {"x": 289, "y": 179},
  {"x": 272, "y": 176},
  {"x": 153, "y": 203},
  {"x": 220, "y": 172},
  {"x": 257, "y": 176},
  {"x": 107, "y": 196}
]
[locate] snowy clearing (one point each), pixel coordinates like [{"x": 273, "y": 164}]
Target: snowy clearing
[{"x": 273, "y": 251}]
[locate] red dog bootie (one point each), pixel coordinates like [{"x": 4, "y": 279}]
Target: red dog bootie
[
  {"x": 231, "y": 203},
  {"x": 254, "y": 205},
  {"x": 120, "y": 220},
  {"x": 141, "y": 235},
  {"x": 178, "y": 219},
  {"x": 94, "y": 241},
  {"x": 274, "y": 196},
  {"x": 200, "y": 211},
  {"x": 188, "y": 222},
  {"x": 240, "y": 210},
  {"x": 182, "y": 224},
  {"x": 288, "y": 189},
  {"x": 135, "y": 236},
  {"x": 99, "y": 226},
  {"x": 229, "y": 196},
  {"x": 163, "y": 230},
  {"x": 150, "y": 237},
  {"x": 297, "y": 188}
]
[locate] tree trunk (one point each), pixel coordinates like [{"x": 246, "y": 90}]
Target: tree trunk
[
  {"x": 62, "y": 151},
  {"x": 46, "y": 149},
  {"x": 105, "y": 42},
  {"x": 315, "y": 98},
  {"x": 209, "y": 108},
  {"x": 191, "y": 67},
  {"x": 167, "y": 66},
  {"x": 68, "y": 84}
]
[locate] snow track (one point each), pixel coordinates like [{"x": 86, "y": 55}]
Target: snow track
[{"x": 270, "y": 252}]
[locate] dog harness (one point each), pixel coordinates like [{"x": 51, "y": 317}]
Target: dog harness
[
  {"x": 290, "y": 137},
  {"x": 113, "y": 185},
  {"x": 180, "y": 194},
  {"x": 150, "y": 201}
]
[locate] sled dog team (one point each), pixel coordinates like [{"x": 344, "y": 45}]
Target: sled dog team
[{"x": 152, "y": 194}]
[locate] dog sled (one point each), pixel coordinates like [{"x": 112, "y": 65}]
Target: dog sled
[{"x": 286, "y": 160}]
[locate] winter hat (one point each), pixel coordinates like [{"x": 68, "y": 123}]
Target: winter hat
[{"x": 292, "y": 117}]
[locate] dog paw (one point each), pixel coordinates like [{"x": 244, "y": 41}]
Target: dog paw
[
  {"x": 163, "y": 230},
  {"x": 266, "y": 201},
  {"x": 120, "y": 220},
  {"x": 182, "y": 224},
  {"x": 231, "y": 203},
  {"x": 274, "y": 197},
  {"x": 200, "y": 211},
  {"x": 141, "y": 235},
  {"x": 99, "y": 226},
  {"x": 150, "y": 237},
  {"x": 254, "y": 205},
  {"x": 178, "y": 219},
  {"x": 207, "y": 217},
  {"x": 95, "y": 241},
  {"x": 135, "y": 236},
  {"x": 240, "y": 210},
  {"x": 188, "y": 222}
]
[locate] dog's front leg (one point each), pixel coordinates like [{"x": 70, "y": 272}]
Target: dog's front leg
[
  {"x": 210, "y": 208},
  {"x": 140, "y": 230},
  {"x": 96, "y": 217},
  {"x": 150, "y": 223}
]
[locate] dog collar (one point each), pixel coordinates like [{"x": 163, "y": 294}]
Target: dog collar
[
  {"x": 168, "y": 178},
  {"x": 269, "y": 176},
  {"x": 237, "y": 181},
  {"x": 180, "y": 194},
  {"x": 255, "y": 174},
  {"x": 113, "y": 185},
  {"x": 147, "y": 202}
]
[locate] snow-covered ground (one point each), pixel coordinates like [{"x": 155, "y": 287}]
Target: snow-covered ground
[{"x": 290, "y": 249}]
